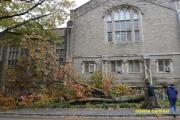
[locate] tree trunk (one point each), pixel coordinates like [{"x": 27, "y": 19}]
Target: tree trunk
[
  {"x": 94, "y": 91},
  {"x": 109, "y": 100}
]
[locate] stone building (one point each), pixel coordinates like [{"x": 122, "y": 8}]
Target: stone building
[
  {"x": 12, "y": 53},
  {"x": 15, "y": 51},
  {"x": 60, "y": 47},
  {"x": 131, "y": 39}
]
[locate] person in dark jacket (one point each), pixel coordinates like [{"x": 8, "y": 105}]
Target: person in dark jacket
[
  {"x": 151, "y": 95},
  {"x": 151, "y": 92},
  {"x": 172, "y": 97}
]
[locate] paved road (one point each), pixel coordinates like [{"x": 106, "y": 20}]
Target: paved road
[
  {"x": 82, "y": 112},
  {"x": 86, "y": 118}
]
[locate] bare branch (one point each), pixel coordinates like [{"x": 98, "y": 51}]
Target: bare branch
[
  {"x": 28, "y": 1},
  {"x": 19, "y": 14},
  {"x": 14, "y": 33},
  {"x": 4, "y": 0},
  {"x": 20, "y": 24}
]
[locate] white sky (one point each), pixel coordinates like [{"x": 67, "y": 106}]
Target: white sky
[{"x": 80, "y": 2}]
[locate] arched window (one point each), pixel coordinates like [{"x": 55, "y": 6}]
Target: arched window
[
  {"x": 128, "y": 16},
  {"x": 122, "y": 16},
  {"x": 123, "y": 25},
  {"x": 135, "y": 15},
  {"x": 116, "y": 15},
  {"x": 109, "y": 18}
]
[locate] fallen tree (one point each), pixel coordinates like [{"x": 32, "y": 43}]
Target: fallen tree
[
  {"x": 133, "y": 98},
  {"x": 94, "y": 91},
  {"x": 37, "y": 74}
]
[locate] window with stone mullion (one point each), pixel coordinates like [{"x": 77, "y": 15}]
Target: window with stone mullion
[
  {"x": 164, "y": 65},
  {"x": 13, "y": 54},
  {"x": 134, "y": 66},
  {"x": 123, "y": 25},
  {"x": 123, "y": 29},
  {"x": 116, "y": 66},
  {"x": 109, "y": 28},
  {"x": 136, "y": 25}
]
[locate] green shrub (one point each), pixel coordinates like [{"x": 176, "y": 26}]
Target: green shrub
[
  {"x": 121, "y": 90},
  {"x": 97, "y": 80}
]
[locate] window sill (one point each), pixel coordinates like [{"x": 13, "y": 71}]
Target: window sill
[
  {"x": 136, "y": 41},
  {"x": 117, "y": 73},
  {"x": 134, "y": 72},
  {"x": 110, "y": 43},
  {"x": 88, "y": 73},
  {"x": 164, "y": 72}
]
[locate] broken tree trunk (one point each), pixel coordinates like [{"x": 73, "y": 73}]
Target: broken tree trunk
[
  {"x": 133, "y": 98},
  {"x": 94, "y": 91}
]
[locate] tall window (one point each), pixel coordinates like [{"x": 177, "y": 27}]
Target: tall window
[
  {"x": 134, "y": 66},
  {"x": 109, "y": 28},
  {"x": 60, "y": 53},
  {"x": 116, "y": 67},
  {"x": 14, "y": 53},
  {"x": 123, "y": 25},
  {"x": 1, "y": 50},
  {"x": 177, "y": 4},
  {"x": 164, "y": 66}
]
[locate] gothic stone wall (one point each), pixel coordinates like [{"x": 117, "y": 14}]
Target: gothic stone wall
[{"x": 160, "y": 37}]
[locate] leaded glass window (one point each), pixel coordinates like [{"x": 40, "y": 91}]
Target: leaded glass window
[{"x": 123, "y": 25}]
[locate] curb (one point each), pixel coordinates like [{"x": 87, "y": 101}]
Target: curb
[{"x": 85, "y": 115}]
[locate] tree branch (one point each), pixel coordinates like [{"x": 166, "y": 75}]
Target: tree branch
[
  {"x": 28, "y": 1},
  {"x": 20, "y": 24},
  {"x": 14, "y": 33},
  {"x": 19, "y": 14},
  {"x": 4, "y": 0}
]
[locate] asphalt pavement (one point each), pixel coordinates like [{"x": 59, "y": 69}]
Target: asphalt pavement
[
  {"x": 124, "y": 112},
  {"x": 86, "y": 118}
]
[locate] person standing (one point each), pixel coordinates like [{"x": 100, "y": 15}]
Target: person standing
[
  {"x": 172, "y": 97},
  {"x": 151, "y": 95},
  {"x": 150, "y": 101}
]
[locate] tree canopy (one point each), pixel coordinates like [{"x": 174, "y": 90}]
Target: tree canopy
[{"x": 19, "y": 16}]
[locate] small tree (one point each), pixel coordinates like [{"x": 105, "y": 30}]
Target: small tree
[
  {"x": 97, "y": 79},
  {"x": 36, "y": 65}
]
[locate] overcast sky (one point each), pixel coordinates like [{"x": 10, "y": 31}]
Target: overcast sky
[{"x": 80, "y": 2}]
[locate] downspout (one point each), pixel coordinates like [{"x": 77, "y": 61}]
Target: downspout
[
  {"x": 147, "y": 69},
  {"x": 69, "y": 37},
  {"x": 150, "y": 74}
]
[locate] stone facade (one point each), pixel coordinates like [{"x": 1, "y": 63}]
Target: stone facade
[
  {"x": 159, "y": 42},
  {"x": 10, "y": 54}
]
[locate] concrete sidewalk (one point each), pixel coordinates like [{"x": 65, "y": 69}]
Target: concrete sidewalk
[{"x": 86, "y": 112}]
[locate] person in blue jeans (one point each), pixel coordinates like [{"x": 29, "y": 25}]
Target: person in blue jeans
[{"x": 172, "y": 97}]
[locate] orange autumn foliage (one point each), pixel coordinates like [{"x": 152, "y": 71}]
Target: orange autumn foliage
[
  {"x": 107, "y": 83},
  {"x": 6, "y": 103}
]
